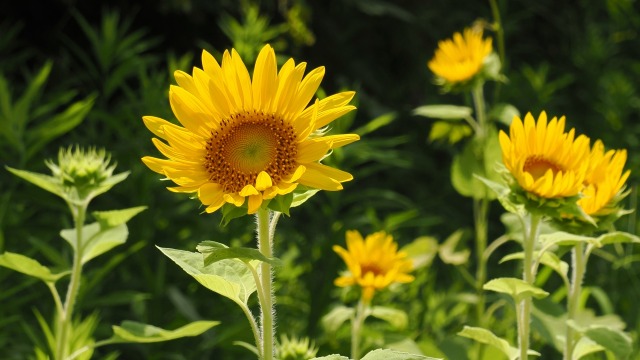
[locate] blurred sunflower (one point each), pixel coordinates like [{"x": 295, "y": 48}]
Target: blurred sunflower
[
  {"x": 373, "y": 263},
  {"x": 461, "y": 58},
  {"x": 604, "y": 179},
  {"x": 544, "y": 159},
  {"x": 248, "y": 139}
]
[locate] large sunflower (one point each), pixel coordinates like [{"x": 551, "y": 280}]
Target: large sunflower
[
  {"x": 461, "y": 58},
  {"x": 247, "y": 139},
  {"x": 374, "y": 263},
  {"x": 604, "y": 179},
  {"x": 544, "y": 159}
]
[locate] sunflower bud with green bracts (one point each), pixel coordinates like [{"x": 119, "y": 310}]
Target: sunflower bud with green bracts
[
  {"x": 78, "y": 176},
  {"x": 295, "y": 348}
]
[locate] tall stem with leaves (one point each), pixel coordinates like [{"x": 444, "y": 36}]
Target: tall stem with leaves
[
  {"x": 266, "y": 229},
  {"x": 531, "y": 228},
  {"x": 579, "y": 264}
]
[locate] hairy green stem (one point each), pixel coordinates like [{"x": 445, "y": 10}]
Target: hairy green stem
[
  {"x": 579, "y": 264},
  {"x": 65, "y": 318},
  {"x": 356, "y": 328},
  {"x": 524, "y": 315},
  {"x": 265, "y": 245}
]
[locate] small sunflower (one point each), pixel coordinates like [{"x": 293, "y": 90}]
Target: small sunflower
[
  {"x": 461, "y": 58},
  {"x": 604, "y": 180},
  {"x": 373, "y": 263},
  {"x": 248, "y": 139},
  {"x": 544, "y": 159}
]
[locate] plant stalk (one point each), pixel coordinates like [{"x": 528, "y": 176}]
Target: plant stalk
[
  {"x": 356, "y": 328},
  {"x": 579, "y": 263},
  {"x": 524, "y": 316},
  {"x": 65, "y": 318},
  {"x": 265, "y": 246}
]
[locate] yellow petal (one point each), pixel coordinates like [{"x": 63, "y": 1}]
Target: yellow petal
[
  {"x": 265, "y": 78},
  {"x": 248, "y": 190},
  {"x": 263, "y": 181},
  {"x": 313, "y": 150},
  {"x": 254, "y": 203},
  {"x": 234, "y": 199}
]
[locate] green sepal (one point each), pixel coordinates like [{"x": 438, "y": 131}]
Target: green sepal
[
  {"x": 518, "y": 289},
  {"x": 503, "y": 194},
  {"x": 135, "y": 332},
  {"x": 229, "y": 278},
  {"x": 215, "y": 251},
  {"x": 230, "y": 212},
  {"x": 29, "y": 266},
  {"x": 281, "y": 203},
  {"x": 300, "y": 198},
  {"x": 485, "y": 336}
]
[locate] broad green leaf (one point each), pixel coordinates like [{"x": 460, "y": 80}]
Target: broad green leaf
[
  {"x": 421, "y": 251},
  {"x": 116, "y": 217},
  {"x": 548, "y": 259},
  {"x": 45, "y": 182},
  {"x": 281, "y": 203},
  {"x": 229, "y": 278},
  {"x": 518, "y": 289},
  {"x": 565, "y": 238},
  {"x": 584, "y": 347},
  {"x": 215, "y": 251},
  {"x": 617, "y": 237},
  {"x": 503, "y": 113},
  {"x": 96, "y": 240},
  {"x": 448, "y": 253},
  {"x": 485, "y": 336},
  {"x": 450, "y": 131},
  {"x": 301, "y": 198},
  {"x": 447, "y": 112},
  {"x": 135, "y": 332},
  {"x": 395, "y": 317},
  {"x": 386, "y": 354},
  {"x": 477, "y": 159},
  {"x": 332, "y": 357},
  {"x": 613, "y": 340},
  {"x": 29, "y": 266},
  {"x": 332, "y": 321}
]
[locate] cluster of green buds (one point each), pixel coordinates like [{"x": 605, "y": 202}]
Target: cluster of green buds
[{"x": 295, "y": 349}]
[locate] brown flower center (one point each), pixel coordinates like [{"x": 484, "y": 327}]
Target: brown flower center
[
  {"x": 537, "y": 166},
  {"x": 371, "y": 268},
  {"x": 246, "y": 144}
]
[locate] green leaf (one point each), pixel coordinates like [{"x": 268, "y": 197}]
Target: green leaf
[
  {"x": 386, "y": 354},
  {"x": 215, "y": 251},
  {"x": 447, "y": 250},
  {"x": 229, "y": 278},
  {"x": 332, "y": 321},
  {"x": 116, "y": 217},
  {"x": 58, "y": 125},
  {"x": 548, "y": 259},
  {"x": 617, "y": 237},
  {"x": 29, "y": 266},
  {"x": 477, "y": 159},
  {"x": 584, "y": 347},
  {"x": 485, "y": 336},
  {"x": 375, "y": 124},
  {"x": 450, "y": 131},
  {"x": 301, "y": 198},
  {"x": 332, "y": 357},
  {"x": 568, "y": 239},
  {"x": 96, "y": 240},
  {"x": 230, "y": 212},
  {"x": 502, "y": 192},
  {"x": 281, "y": 203},
  {"x": 613, "y": 340},
  {"x": 395, "y": 317},
  {"x": 503, "y": 113},
  {"x": 421, "y": 251},
  {"x": 447, "y": 112},
  {"x": 135, "y": 332},
  {"x": 45, "y": 182},
  {"x": 518, "y": 289}
]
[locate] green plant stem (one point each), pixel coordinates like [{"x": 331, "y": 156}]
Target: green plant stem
[
  {"x": 579, "y": 264},
  {"x": 356, "y": 328},
  {"x": 265, "y": 245},
  {"x": 65, "y": 318},
  {"x": 524, "y": 315},
  {"x": 478, "y": 102}
]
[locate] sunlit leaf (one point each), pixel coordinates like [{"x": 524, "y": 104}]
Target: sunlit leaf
[
  {"x": 485, "y": 336},
  {"x": 29, "y": 266},
  {"x": 503, "y": 113},
  {"x": 332, "y": 357},
  {"x": 96, "y": 240},
  {"x": 332, "y": 321},
  {"x": 448, "y": 253},
  {"x": 422, "y": 251},
  {"x": 613, "y": 340},
  {"x": 215, "y": 251},
  {"x": 301, "y": 198},
  {"x": 448, "y": 112},
  {"x": 516, "y": 288},
  {"x": 116, "y": 217},
  {"x": 395, "y": 317},
  {"x": 386, "y": 354},
  {"x": 477, "y": 159},
  {"x": 584, "y": 347},
  {"x": 548, "y": 259},
  {"x": 45, "y": 182},
  {"x": 135, "y": 332}
]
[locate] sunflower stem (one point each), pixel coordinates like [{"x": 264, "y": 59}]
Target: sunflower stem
[
  {"x": 65, "y": 317},
  {"x": 524, "y": 315},
  {"x": 579, "y": 264},
  {"x": 356, "y": 328},
  {"x": 265, "y": 246}
]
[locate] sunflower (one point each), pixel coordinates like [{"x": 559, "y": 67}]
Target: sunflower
[
  {"x": 461, "y": 58},
  {"x": 248, "y": 140},
  {"x": 604, "y": 179},
  {"x": 544, "y": 159},
  {"x": 373, "y": 263}
]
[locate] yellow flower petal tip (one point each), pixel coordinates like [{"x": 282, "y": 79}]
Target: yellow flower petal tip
[
  {"x": 374, "y": 263},
  {"x": 459, "y": 59},
  {"x": 246, "y": 137}
]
